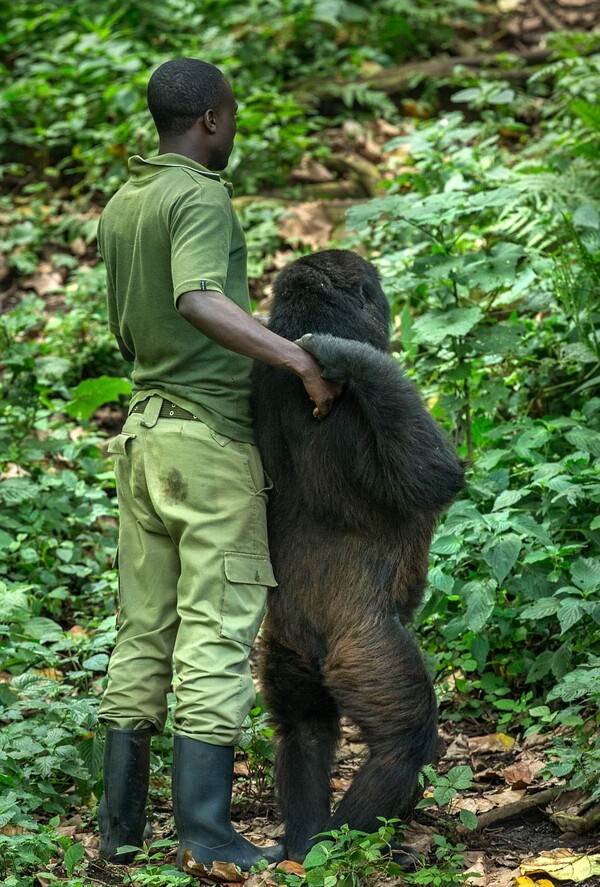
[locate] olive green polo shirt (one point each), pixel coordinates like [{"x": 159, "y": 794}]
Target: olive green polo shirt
[{"x": 169, "y": 230}]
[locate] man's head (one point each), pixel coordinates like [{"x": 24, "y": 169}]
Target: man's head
[{"x": 193, "y": 104}]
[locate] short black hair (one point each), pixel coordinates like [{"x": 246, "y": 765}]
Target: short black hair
[{"x": 180, "y": 91}]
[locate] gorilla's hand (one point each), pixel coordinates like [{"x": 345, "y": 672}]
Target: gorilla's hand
[{"x": 330, "y": 353}]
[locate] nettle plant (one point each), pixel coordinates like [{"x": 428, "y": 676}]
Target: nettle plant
[{"x": 495, "y": 290}]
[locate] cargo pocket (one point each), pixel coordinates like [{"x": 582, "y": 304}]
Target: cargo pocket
[
  {"x": 118, "y": 445},
  {"x": 247, "y": 578}
]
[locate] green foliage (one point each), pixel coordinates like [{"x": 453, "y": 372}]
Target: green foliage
[
  {"x": 93, "y": 393},
  {"x": 347, "y": 858},
  {"x": 447, "y": 870},
  {"x": 497, "y": 319},
  {"x": 257, "y": 742},
  {"x": 155, "y": 873},
  {"x": 79, "y": 119},
  {"x": 488, "y": 243},
  {"x": 445, "y": 788}
]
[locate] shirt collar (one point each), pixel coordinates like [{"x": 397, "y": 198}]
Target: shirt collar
[{"x": 137, "y": 164}]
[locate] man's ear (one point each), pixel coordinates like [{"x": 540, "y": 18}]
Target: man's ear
[{"x": 210, "y": 120}]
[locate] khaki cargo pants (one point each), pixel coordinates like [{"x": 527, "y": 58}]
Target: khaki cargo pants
[{"x": 194, "y": 570}]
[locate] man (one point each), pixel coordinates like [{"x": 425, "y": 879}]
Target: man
[{"x": 194, "y": 564}]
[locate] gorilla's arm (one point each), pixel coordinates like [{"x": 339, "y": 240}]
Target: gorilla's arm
[{"x": 379, "y": 438}]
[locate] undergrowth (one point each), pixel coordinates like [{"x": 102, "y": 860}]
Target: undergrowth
[{"x": 488, "y": 243}]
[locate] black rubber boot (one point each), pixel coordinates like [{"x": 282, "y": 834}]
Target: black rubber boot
[
  {"x": 121, "y": 812},
  {"x": 202, "y": 783}
]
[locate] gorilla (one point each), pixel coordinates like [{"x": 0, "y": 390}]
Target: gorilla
[{"x": 351, "y": 514}]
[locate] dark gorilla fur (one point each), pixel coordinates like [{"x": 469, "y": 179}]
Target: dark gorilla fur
[{"x": 351, "y": 514}]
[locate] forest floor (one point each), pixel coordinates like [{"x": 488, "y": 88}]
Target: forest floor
[{"x": 520, "y": 840}]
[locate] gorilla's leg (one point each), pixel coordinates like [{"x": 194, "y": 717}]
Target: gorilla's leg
[
  {"x": 308, "y": 731},
  {"x": 378, "y": 678}
]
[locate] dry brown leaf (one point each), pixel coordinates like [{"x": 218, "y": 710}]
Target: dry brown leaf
[
  {"x": 13, "y": 470},
  {"x": 46, "y": 280},
  {"x": 291, "y": 868},
  {"x": 262, "y": 879},
  {"x": 12, "y": 830},
  {"x": 79, "y": 247},
  {"x": 385, "y": 130},
  {"x": 307, "y": 223},
  {"x": 240, "y": 768},
  {"x": 476, "y": 871},
  {"x": 502, "y": 878},
  {"x": 458, "y": 748},
  {"x": 523, "y": 772},
  {"x": 570, "y": 802},
  {"x": 505, "y": 796},
  {"x": 419, "y": 836},
  {"x": 311, "y": 171},
  {"x": 479, "y": 804},
  {"x": 563, "y": 864},
  {"x": 218, "y": 873},
  {"x": 53, "y": 674},
  {"x": 76, "y": 630},
  {"x": 494, "y": 742}
]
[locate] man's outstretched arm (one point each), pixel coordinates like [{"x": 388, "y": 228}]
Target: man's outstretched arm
[{"x": 227, "y": 324}]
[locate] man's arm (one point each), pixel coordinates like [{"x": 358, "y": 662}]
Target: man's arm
[{"x": 225, "y": 323}]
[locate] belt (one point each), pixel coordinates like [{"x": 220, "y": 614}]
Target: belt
[{"x": 167, "y": 411}]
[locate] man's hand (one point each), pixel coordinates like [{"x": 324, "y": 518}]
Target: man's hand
[
  {"x": 321, "y": 392},
  {"x": 225, "y": 323}
]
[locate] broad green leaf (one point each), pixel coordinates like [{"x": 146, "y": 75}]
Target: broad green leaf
[
  {"x": 561, "y": 661},
  {"x": 97, "y": 662},
  {"x": 480, "y": 648},
  {"x": 569, "y": 612},
  {"x": 73, "y": 855},
  {"x": 443, "y": 794},
  {"x": 466, "y": 95},
  {"x": 446, "y": 545},
  {"x": 481, "y": 600},
  {"x": 503, "y": 555},
  {"x": 432, "y": 328},
  {"x": 91, "y": 394},
  {"x": 318, "y": 855},
  {"x": 541, "y": 667},
  {"x": 585, "y": 439},
  {"x": 13, "y": 602},
  {"x": 502, "y": 97},
  {"x": 468, "y": 819},
  {"x": 585, "y": 573},
  {"x": 507, "y": 498},
  {"x": 542, "y": 608},
  {"x": 586, "y": 215},
  {"x": 460, "y": 777},
  {"x": 14, "y": 490},
  {"x": 438, "y": 579},
  {"x": 532, "y": 439}
]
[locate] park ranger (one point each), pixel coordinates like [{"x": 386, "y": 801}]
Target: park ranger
[{"x": 193, "y": 557}]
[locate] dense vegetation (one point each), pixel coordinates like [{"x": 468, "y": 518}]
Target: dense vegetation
[{"x": 486, "y": 231}]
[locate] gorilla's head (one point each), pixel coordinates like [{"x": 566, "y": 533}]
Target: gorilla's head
[{"x": 333, "y": 291}]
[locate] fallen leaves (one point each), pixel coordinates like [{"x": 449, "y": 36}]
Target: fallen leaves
[
  {"x": 563, "y": 864},
  {"x": 217, "y": 873}
]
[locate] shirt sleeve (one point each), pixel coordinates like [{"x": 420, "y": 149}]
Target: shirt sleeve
[{"x": 200, "y": 244}]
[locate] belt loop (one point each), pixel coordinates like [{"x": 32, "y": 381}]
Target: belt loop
[{"x": 152, "y": 411}]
